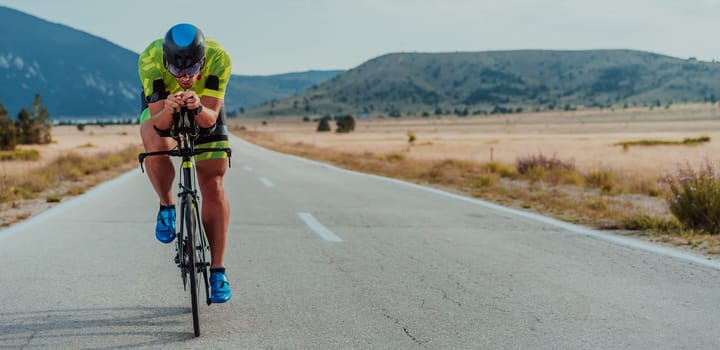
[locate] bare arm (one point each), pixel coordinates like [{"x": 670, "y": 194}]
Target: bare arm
[
  {"x": 210, "y": 111},
  {"x": 161, "y": 111}
]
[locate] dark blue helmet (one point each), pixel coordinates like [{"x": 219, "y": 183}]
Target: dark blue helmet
[{"x": 184, "y": 45}]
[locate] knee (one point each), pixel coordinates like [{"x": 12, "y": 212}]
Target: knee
[{"x": 212, "y": 187}]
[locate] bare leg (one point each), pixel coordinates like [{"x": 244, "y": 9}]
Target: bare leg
[
  {"x": 160, "y": 169},
  {"x": 215, "y": 206}
]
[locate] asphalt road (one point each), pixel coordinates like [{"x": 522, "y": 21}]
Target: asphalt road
[{"x": 320, "y": 258}]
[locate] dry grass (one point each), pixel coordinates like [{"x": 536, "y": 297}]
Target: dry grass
[
  {"x": 92, "y": 141},
  {"x": 65, "y": 168},
  {"x": 19, "y": 155},
  {"x": 611, "y": 187},
  {"x": 587, "y": 138}
]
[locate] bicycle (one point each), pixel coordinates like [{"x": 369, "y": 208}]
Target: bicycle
[{"x": 191, "y": 242}]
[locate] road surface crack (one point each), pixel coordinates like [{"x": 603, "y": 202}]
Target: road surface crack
[
  {"x": 446, "y": 297},
  {"x": 405, "y": 329}
]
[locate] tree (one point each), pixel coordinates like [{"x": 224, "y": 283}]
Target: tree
[
  {"x": 324, "y": 124},
  {"x": 41, "y": 117},
  {"x": 345, "y": 124},
  {"x": 8, "y": 133},
  {"x": 32, "y": 126},
  {"x": 25, "y": 127}
]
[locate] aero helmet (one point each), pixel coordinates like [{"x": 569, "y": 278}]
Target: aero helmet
[{"x": 183, "y": 46}]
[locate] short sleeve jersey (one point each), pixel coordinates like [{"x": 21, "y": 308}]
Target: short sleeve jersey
[{"x": 158, "y": 83}]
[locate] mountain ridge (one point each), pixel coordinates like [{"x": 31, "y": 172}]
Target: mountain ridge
[
  {"x": 78, "y": 74},
  {"x": 504, "y": 81}
]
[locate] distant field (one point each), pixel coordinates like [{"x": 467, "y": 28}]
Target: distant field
[
  {"x": 589, "y": 138},
  {"x": 93, "y": 140},
  {"x": 72, "y": 164}
]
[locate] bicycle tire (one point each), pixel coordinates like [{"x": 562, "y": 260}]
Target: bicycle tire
[
  {"x": 192, "y": 268},
  {"x": 202, "y": 263}
]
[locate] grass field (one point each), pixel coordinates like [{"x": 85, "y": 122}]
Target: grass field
[
  {"x": 588, "y": 138},
  {"x": 618, "y": 156},
  {"x": 73, "y": 163}
]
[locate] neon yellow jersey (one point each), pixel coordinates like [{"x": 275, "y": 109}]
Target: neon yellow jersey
[{"x": 158, "y": 83}]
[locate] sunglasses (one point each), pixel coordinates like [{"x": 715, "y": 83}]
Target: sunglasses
[{"x": 185, "y": 72}]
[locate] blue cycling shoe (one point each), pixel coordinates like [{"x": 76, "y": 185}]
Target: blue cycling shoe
[
  {"x": 165, "y": 227},
  {"x": 220, "y": 288}
]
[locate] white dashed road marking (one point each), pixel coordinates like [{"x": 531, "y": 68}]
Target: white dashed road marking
[
  {"x": 319, "y": 229},
  {"x": 266, "y": 182}
]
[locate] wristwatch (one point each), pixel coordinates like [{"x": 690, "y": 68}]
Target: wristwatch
[{"x": 198, "y": 110}]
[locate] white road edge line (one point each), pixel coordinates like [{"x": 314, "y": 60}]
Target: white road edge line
[
  {"x": 319, "y": 229},
  {"x": 266, "y": 182},
  {"x": 247, "y": 168},
  {"x": 610, "y": 237}
]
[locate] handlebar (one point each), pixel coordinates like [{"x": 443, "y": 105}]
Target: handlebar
[
  {"x": 184, "y": 130},
  {"x": 184, "y": 123},
  {"x": 184, "y": 152}
]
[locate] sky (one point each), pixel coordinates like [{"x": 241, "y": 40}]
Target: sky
[{"x": 280, "y": 36}]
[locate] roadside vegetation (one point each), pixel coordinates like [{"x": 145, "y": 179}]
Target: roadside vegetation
[
  {"x": 20, "y": 154},
  {"x": 67, "y": 175},
  {"x": 681, "y": 209},
  {"x": 690, "y": 141}
]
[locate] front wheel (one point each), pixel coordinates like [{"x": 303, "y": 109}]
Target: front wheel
[{"x": 192, "y": 263}]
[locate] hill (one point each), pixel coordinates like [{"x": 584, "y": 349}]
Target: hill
[
  {"x": 506, "y": 81},
  {"x": 247, "y": 91},
  {"x": 81, "y": 75},
  {"x": 74, "y": 72}
]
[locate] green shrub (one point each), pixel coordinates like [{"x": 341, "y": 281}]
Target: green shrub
[
  {"x": 527, "y": 164},
  {"x": 687, "y": 141},
  {"x": 571, "y": 178},
  {"x": 324, "y": 125},
  {"x": 597, "y": 204},
  {"x": 601, "y": 179},
  {"x": 646, "y": 222},
  {"x": 20, "y": 154},
  {"x": 696, "y": 140},
  {"x": 535, "y": 174},
  {"x": 695, "y": 197},
  {"x": 22, "y": 192},
  {"x": 484, "y": 180},
  {"x": 411, "y": 137},
  {"x": 501, "y": 169},
  {"x": 395, "y": 157},
  {"x": 345, "y": 124}
]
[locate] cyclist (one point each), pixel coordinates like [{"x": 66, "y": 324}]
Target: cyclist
[{"x": 186, "y": 69}]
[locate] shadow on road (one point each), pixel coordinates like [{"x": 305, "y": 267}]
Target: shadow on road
[{"x": 95, "y": 328}]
